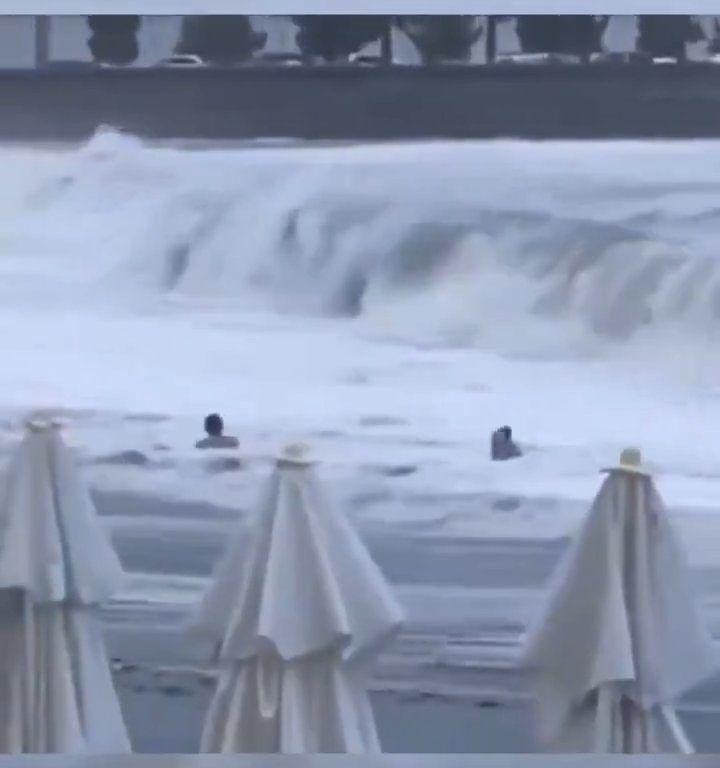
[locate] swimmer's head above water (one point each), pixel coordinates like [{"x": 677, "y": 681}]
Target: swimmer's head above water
[{"x": 214, "y": 425}]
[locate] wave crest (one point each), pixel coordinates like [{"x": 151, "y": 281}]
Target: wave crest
[{"x": 510, "y": 245}]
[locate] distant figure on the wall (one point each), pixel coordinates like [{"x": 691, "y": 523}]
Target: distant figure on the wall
[
  {"x": 214, "y": 426},
  {"x": 502, "y": 445}
]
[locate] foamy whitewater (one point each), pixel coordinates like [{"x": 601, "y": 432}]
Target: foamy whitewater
[{"x": 389, "y": 304}]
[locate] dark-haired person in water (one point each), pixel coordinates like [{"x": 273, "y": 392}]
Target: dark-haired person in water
[
  {"x": 214, "y": 426},
  {"x": 502, "y": 445}
]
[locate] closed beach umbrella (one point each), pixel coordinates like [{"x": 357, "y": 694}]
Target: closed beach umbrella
[
  {"x": 299, "y": 614},
  {"x": 56, "y": 567},
  {"x": 621, "y": 637}
]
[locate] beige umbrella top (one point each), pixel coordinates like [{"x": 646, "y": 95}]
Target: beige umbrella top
[
  {"x": 622, "y": 609},
  {"x": 52, "y": 543},
  {"x": 304, "y": 583}
]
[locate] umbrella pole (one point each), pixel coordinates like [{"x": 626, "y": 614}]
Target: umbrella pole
[
  {"x": 678, "y": 732},
  {"x": 636, "y": 726},
  {"x": 28, "y": 672},
  {"x": 605, "y": 725}
]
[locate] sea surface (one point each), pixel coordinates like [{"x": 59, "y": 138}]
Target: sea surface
[{"x": 389, "y": 304}]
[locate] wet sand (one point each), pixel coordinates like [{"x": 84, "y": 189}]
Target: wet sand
[
  {"x": 164, "y": 713},
  {"x": 449, "y": 685}
]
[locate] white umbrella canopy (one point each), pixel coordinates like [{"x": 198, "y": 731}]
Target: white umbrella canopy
[
  {"x": 56, "y": 566},
  {"x": 621, "y": 636},
  {"x": 299, "y": 614}
]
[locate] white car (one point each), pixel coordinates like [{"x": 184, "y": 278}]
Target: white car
[
  {"x": 619, "y": 57},
  {"x": 182, "y": 60},
  {"x": 538, "y": 59},
  {"x": 279, "y": 59},
  {"x": 359, "y": 58}
]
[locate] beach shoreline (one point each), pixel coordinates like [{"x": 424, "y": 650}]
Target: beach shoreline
[
  {"x": 164, "y": 711},
  {"x": 451, "y": 683}
]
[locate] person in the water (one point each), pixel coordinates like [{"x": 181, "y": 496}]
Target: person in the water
[
  {"x": 215, "y": 428},
  {"x": 502, "y": 445}
]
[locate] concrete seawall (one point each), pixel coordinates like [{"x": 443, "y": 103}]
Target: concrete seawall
[{"x": 365, "y": 103}]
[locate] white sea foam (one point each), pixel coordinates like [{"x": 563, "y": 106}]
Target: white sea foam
[{"x": 391, "y": 303}]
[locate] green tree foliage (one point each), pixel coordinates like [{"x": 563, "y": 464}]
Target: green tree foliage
[
  {"x": 491, "y": 38},
  {"x": 576, "y": 35},
  {"x": 114, "y": 39},
  {"x": 443, "y": 38},
  {"x": 667, "y": 36},
  {"x": 220, "y": 39},
  {"x": 335, "y": 38}
]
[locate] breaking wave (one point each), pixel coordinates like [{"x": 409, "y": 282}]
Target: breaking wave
[{"x": 507, "y": 244}]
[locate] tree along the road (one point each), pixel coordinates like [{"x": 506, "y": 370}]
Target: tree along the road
[
  {"x": 114, "y": 39},
  {"x": 336, "y": 38},
  {"x": 713, "y": 46},
  {"x": 575, "y": 35},
  {"x": 667, "y": 36},
  {"x": 491, "y": 38},
  {"x": 491, "y": 27},
  {"x": 220, "y": 39},
  {"x": 442, "y": 38}
]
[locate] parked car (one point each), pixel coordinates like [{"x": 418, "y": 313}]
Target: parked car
[
  {"x": 366, "y": 59},
  {"x": 70, "y": 65},
  {"x": 538, "y": 59},
  {"x": 619, "y": 57},
  {"x": 281, "y": 59},
  {"x": 182, "y": 60}
]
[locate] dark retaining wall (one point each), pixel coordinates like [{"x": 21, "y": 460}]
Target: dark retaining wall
[{"x": 350, "y": 103}]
